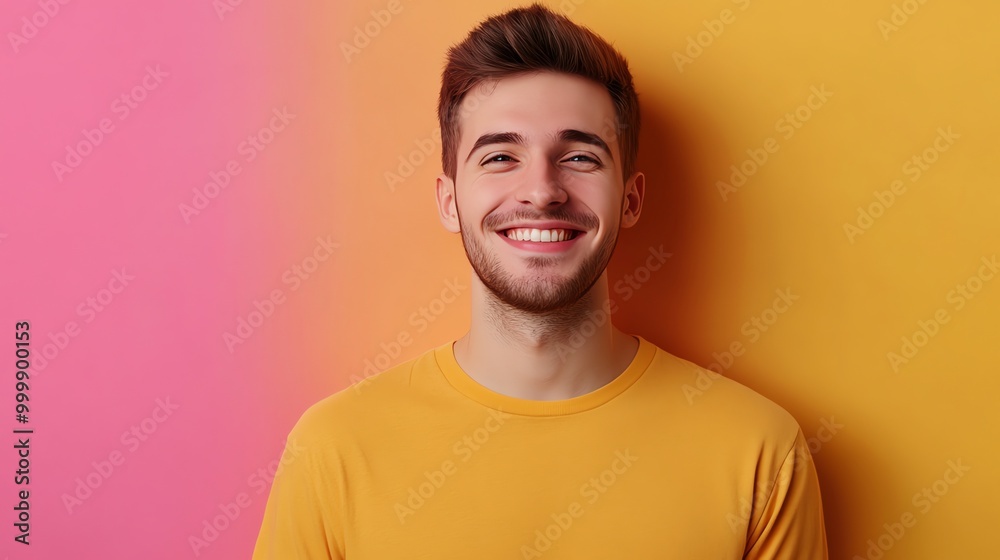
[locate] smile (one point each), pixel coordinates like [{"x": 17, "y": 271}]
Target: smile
[
  {"x": 541, "y": 240},
  {"x": 540, "y": 235}
]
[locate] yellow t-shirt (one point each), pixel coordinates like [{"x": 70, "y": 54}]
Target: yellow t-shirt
[{"x": 422, "y": 462}]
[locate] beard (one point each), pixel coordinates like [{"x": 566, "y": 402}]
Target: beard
[{"x": 541, "y": 291}]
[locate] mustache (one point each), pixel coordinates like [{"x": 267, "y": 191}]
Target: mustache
[{"x": 583, "y": 221}]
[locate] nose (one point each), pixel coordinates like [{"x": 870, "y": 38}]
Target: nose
[{"x": 543, "y": 185}]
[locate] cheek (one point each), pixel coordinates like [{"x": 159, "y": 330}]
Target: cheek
[
  {"x": 609, "y": 211},
  {"x": 473, "y": 212},
  {"x": 491, "y": 183},
  {"x": 482, "y": 198},
  {"x": 602, "y": 200}
]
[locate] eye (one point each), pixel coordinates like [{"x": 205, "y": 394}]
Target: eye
[
  {"x": 497, "y": 159},
  {"x": 584, "y": 161}
]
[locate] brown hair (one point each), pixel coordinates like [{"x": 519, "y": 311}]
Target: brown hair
[{"x": 533, "y": 39}]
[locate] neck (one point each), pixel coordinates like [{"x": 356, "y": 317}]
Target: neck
[{"x": 551, "y": 356}]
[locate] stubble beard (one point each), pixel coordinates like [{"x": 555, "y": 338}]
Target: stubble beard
[{"x": 543, "y": 293}]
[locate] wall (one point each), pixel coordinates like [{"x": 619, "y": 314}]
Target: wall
[{"x": 216, "y": 213}]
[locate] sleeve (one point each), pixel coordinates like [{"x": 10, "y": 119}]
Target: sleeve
[
  {"x": 301, "y": 518},
  {"x": 790, "y": 525}
]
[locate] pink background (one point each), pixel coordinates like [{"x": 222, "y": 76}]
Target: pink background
[{"x": 118, "y": 210}]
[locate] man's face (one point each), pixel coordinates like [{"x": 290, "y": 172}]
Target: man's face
[{"x": 538, "y": 190}]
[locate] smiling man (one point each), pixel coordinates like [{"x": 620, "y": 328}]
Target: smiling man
[
  {"x": 539, "y": 194},
  {"x": 513, "y": 441}
]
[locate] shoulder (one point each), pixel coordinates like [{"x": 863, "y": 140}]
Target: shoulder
[
  {"x": 361, "y": 404},
  {"x": 722, "y": 404}
]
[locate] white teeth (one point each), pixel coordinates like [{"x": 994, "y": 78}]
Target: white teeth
[{"x": 539, "y": 235}]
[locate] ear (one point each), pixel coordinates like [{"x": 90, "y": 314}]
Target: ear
[
  {"x": 446, "y": 204},
  {"x": 635, "y": 191}
]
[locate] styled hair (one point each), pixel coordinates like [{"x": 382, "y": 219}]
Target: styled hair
[{"x": 533, "y": 39}]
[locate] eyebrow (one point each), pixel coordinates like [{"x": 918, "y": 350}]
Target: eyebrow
[{"x": 565, "y": 135}]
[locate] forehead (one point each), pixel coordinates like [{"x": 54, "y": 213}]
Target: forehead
[{"x": 536, "y": 105}]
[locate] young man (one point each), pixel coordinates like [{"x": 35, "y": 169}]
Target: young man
[{"x": 517, "y": 440}]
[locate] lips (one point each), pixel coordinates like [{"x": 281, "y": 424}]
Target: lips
[
  {"x": 538, "y": 235},
  {"x": 540, "y": 246}
]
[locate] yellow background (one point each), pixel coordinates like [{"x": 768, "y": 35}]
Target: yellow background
[{"x": 826, "y": 359}]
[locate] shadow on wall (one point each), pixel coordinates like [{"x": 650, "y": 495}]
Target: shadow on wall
[
  {"x": 667, "y": 279},
  {"x": 678, "y": 151}
]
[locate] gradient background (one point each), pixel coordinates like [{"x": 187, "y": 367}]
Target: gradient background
[{"x": 357, "y": 117}]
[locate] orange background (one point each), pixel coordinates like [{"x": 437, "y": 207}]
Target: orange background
[{"x": 891, "y": 87}]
